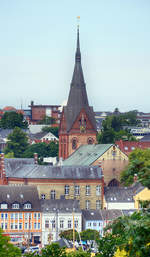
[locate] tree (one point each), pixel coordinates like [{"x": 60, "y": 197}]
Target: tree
[
  {"x": 42, "y": 149},
  {"x": 139, "y": 163},
  {"x": 89, "y": 234},
  {"x": 68, "y": 234},
  {"x": 107, "y": 245},
  {"x": 17, "y": 143},
  {"x": 10, "y": 120},
  {"x": 47, "y": 120},
  {"x": 53, "y": 130},
  {"x": 54, "y": 250},
  {"x": 6, "y": 248}
]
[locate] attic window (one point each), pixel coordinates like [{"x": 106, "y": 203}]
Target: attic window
[
  {"x": 21, "y": 195},
  {"x": 8, "y": 196},
  {"x": 15, "y": 206},
  {"x": 27, "y": 206},
  {"x": 3, "y": 205}
]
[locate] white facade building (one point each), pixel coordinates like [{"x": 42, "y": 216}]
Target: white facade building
[{"x": 57, "y": 216}]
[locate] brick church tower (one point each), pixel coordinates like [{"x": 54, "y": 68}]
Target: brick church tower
[{"x": 77, "y": 124}]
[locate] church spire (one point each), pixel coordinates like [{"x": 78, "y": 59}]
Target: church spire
[{"x": 78, "y": 53}]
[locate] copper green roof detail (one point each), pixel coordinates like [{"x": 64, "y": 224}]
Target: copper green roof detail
[{"x": 86, "y": 154}]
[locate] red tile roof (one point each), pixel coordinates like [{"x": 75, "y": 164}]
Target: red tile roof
[{"x": 128, "y": 146}]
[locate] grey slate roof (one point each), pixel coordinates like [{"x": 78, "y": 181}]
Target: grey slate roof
[
  {"x": 15, "y": 165},
  {"x": 61, "y": 205},
  {"x": 4, "y": 133},
  {"x": 20, "y": 194},
  {"x": 86, "y": 154},
  {"x": 53, "y": 172},
  {"x": 146, "y": 138},
  {"x": 122, "y": 194},
  {"x": 111, "y": 214},
  {"x": 92, "y": 214},
  {"x": 78, "y": 96}
]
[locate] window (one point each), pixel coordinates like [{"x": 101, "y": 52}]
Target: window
[
  {"x": 6, "y": 226},
  {"x": 39, "y": 225},
  {"x": 16, "y": 226},
  {"x": 125, "y": 148},
  {"x": 94, "y": 224},
  {"x": 3, "y": 205},
  {"x": 6, "y": 216},
  {"x": 43, "y": 196},
  {"x": 20, "y": 225},
  {"x": 12, "y": 216},
  {"x": 74, "y": 143},
  {"x": 27, "y": 206},
  {"x": 15, "y": 206},
  {"x": 90, "y": 141},
  {"x": 35, "y": 215},
  {"x": 12, "y": 226},
  {"x": 53, "y": 224},
  {"x": 89, "y": 224},
  {"x": 16, "y": 216},
  {"x": 35, "y": 225},
  {"x": 76, "y": 223},
  {"x": 20, "y": 215},
  {"x": 46, "y": 223},
  {"x": 53, "y": 194},
  {"x": 39, "y": 215},
  {"x": 61, "y": 224},
  {"x": 66, "y": 189},
  {"x": 132, "y": 148},
  {"x": 87, "y": 204},
  {"x": 69, "y": 224},
  {"x": 2, "y": 225},
  {"x": 2, "y": 216},
  {"x": 77, "y": 190},
  {"x": 98, "y": 190},
  {"x": 87, "y": 190},
  {"x": 98, "y": 204}
]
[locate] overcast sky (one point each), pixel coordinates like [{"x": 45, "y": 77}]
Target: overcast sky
[{"x": 37, "y": 48}]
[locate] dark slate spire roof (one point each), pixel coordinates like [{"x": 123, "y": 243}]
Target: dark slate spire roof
[{"x": 78, "y": 96}]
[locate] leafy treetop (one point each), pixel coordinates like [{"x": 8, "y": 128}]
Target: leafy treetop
[{"x": 10, "y": 120}]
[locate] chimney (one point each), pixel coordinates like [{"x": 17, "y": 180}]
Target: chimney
[
  {"x": 35, "y": 158},
  {"x": 135, "y": 178},
  {"x": 2, "y": 170}
]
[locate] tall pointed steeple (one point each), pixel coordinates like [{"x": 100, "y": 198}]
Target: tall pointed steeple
[{"x": 78, "y": 95}]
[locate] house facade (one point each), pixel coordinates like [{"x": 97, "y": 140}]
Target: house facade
[
  {"x": 57, "y": 216},
  {"x": 20, "y": 214}
]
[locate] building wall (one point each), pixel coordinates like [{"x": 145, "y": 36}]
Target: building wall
[
  {"x": 95, "y": 224},
  {"x": 45, "y": 186},
  {"x": 51, "y": 234},
  {"x": 143, "y": 195},
  {"x": 119, "y": 206},
  {"x": 25, "y": 232}
]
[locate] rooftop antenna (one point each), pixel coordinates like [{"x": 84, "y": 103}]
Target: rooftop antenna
[{"x": 78, "y": 21}]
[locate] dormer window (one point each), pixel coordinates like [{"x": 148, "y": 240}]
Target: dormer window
[
  {"x": 27, "y": 206},
  {"x": 15, "y": 206},
  {"x": 3, "y": 206}
]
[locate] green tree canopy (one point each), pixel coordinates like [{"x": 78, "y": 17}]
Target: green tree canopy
[
  {"x": 47, "y": 120},
  {"x": 7, "y": 249},
  {"x": 68, "y": 234},
  {"x": 17, "y": 143},
  {"x": 89, "y": 234},
  {"x": 42, "y": 149},
  {"x": 10, "y": 120},
  {"x": 53, "y": 130},
  {"x": 139, "y": 163}
]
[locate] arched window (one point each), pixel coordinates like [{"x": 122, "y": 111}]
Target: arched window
[
  {"x": 113, "y": 183},
  {"x": 74, "y": 143},
  {"x": 90, "y": 141},
  {"x": 53, "y": 194}
]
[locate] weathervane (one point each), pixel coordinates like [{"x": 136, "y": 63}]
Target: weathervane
[{"x": 78, "y": 21}]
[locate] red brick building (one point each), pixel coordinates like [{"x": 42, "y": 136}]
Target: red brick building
[
  {"x": 77, "y": 124},
  {"x": 38, "y": 112},
  {"x": 128, "y": 146}
]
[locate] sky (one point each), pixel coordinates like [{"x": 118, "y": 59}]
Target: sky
[{"x": 38, "y": 43}]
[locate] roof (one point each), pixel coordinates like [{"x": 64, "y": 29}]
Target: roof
[
  {"x": 17, "y": 169},
  {"x": 146, "y": 138},
  {"x": 122, "y": 194},
  {"x": 129, "y": 146},
  {"x": 20, "y": 194},
  {"x": 92, "y": 214},
  {"x": 86, "y": 154},
  {"x": 101, "y": 214},
  {"x": 64, "y": 243},
  {"x": 61, "y": 205},
  {"x": 4, "y": 133},
  {"x": 78, "y": 99},
  {"x": 9, "y": 108}
]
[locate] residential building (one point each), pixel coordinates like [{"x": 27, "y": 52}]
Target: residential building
[
  {"x": 20, "y": 213},
  {"x": 58, "y": 216},
  {"x": 77, "y": 124},
  {"x": 83, "y": 183},
  {"x": 41, "y": 137},
  {"x": 128, "y": 146},
  {"x": 108, "y": 156},
  {"x": 38, "y": 112}
]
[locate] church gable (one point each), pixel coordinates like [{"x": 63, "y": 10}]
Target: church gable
[
  {"x": 82, "y": 123},
  {"x": 62, "y": 128}
]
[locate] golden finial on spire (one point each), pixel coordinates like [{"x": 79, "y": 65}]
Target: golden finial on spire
[{"x": 78, "y": 21}]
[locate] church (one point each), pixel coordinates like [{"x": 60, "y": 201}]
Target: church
[{"x": 77, "y": 124}]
